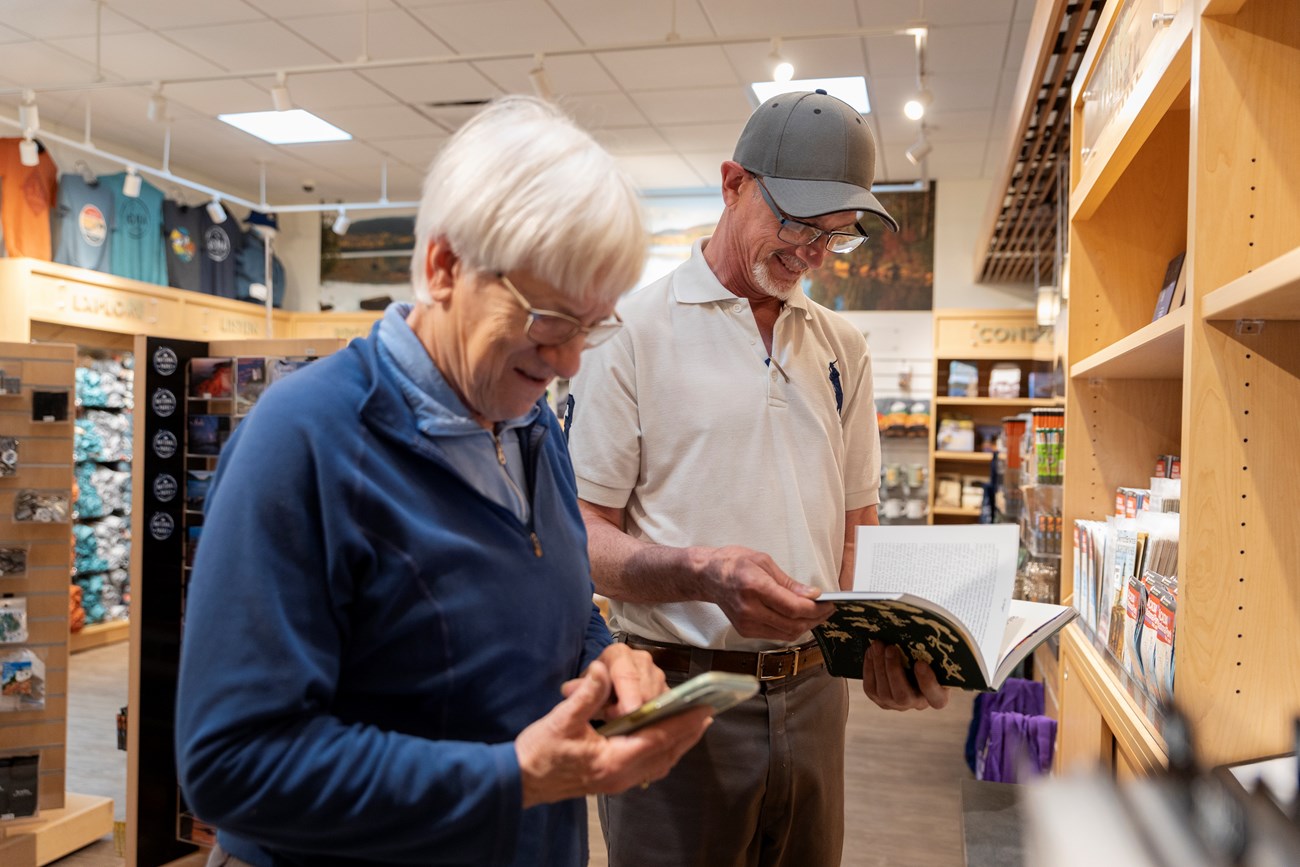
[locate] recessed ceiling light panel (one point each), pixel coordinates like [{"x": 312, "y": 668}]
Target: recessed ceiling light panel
[
  {"x": 286, "y": 127},
  {"x": 852, "y": 89}
]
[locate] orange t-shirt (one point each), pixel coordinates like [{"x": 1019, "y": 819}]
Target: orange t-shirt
[{"x": 26, "y": 196}]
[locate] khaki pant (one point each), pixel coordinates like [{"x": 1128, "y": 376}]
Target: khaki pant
[{"x": 764, "y": 788}]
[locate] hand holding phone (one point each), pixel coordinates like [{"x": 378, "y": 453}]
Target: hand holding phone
[{"x": 714, "y": 689}]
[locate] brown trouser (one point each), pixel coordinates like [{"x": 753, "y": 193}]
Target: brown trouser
[{"x": 764, "y": 788}]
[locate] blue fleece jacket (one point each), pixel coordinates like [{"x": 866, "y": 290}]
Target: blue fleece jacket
[{"x": 365, "y": 635}]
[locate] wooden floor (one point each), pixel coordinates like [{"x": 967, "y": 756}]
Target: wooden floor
[{"x": 903, "y": 773}]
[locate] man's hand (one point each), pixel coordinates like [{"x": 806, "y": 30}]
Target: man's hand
[
  {"x": 759, "y": 599},
  {"x": 636, "y": 680},
  {"x": 561, "y": 756},
  {"x": 884, "y": 680}
]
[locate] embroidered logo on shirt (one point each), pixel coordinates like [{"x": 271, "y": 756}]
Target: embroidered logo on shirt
[{"x": 217, "y": 244}]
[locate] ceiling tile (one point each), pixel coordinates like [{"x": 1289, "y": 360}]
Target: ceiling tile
[
  {"x": 416, "y": 152},
  {"x": 965, "y": 48},
  {"x": 601, "y": 110},
  {"x": 708, "y": 165},
  {"x": 954, "y": 12},
  {"x": 283, "y": 9},
  {"x": 701, "y": 105},
  {"x": 532, "y": 26},
  {"x": 34, "y": 64},
  {"x": 55, "y": 19},
  {"x": 599, "y": 22},
  {"x": 8, "y": 34},
  {"x": 659, "y": 68},
  {"x": 813, "y": 58},
  {"x": 380, "y": 122},
  {"x": 703, "y": 136},
  {"x": 394, "y": 35},
  {"x": 779, "y": 17},
  {"x": 632, "y": 140},
  {"x": 419, "y": 85},
  {"x": 959, "y": 126},
  {"x": 887, "y": 13},
  {"x": 212, "y": 98},
  {"x": 165, "y": 14},
  {"x": 660, "y": 172},
  {"x": 137, "y": 56},
  {"x": 891, "y": 56},
  {"x": 325, "y": 90},
  {"x": 1016, "y": 44},
  {"x": 578, "y": 73},
  {"x": 252, "y": 45},
  {"x": 974, "y": 89},
  {"x": 956, "y": 163}
]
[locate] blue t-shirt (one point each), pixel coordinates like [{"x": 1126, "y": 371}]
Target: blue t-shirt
[
  {"x": 81, "y": 221},
  {"x": 136, "y": 246}
]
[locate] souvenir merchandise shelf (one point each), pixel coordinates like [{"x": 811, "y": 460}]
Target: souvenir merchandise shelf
[
  {"x": 1203, "y": 156},
  {"x": 45, "y": 301},
  {"x": 65, "y": 821},
  {"x": 166, "y": 523},
  {"x": 981, "y": 338}
]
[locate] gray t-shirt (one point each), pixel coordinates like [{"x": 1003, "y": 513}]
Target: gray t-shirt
[
  {"x": 183, "y": 235},
  {"x": 82, "y": 216}
]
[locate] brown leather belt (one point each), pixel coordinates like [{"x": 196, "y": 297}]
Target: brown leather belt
[{"x": 766, "y": 665}]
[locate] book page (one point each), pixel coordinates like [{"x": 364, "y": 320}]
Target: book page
[{"x": 968, "y": 569}]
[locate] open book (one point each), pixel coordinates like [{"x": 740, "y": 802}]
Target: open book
[{"x": 943, "y": 595}]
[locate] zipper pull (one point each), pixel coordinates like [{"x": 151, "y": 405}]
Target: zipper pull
[
  {"x": 537, "y": 544},
  {"x": 501, "y": 453}
]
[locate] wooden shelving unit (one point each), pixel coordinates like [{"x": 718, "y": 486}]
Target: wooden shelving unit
[
  {"x": 981, "y": 338},
  {"x": 1203, "y": 156}
]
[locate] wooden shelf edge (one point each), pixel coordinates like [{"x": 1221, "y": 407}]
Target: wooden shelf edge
[
  {"x": 54, "y": 833},
  {"x": 1154, "y": 351},
  {"x": 973, "y": 457},
  {"x": 98, "y": 635},
  {"x": 1169, "y": 70},
  {"x": 955, "y": 512},
  {"x": 1271, "y": 291},
  {"x": 995, "y": 401},
  {"x": 1132, "y": 730}
]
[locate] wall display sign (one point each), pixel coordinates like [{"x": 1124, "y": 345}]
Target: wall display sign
[
  {"x": 164, "y": 487},
  {"x": 163, "y": 402}
]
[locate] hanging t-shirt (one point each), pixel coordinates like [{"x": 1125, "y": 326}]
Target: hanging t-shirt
[
  {"x": 221, "y": 243},
  {"x": 26, "y": 197},
  {"x": 136, "y": 241},
  {"x": 81, "y": 222},
  {"x": 183, "y": 231}
]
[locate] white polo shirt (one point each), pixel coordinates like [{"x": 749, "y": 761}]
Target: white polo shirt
[{"x": 681, "y": 421}]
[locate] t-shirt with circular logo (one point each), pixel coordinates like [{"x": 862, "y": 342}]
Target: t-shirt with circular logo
[
  {"x": 221, "y": 243},
  {"x": 83, "y": 215}
]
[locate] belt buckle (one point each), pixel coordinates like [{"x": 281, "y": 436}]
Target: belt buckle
[{"x": 763, "y": 655}]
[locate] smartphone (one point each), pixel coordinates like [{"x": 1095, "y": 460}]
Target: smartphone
[{"x": 714, "y": 689}]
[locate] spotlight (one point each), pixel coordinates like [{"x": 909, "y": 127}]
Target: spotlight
[
  {"x": 28, "y": 153},
  {"x": 215, "y": 212},
  {"x": 541, "y": 82},
  {"x": 131, "y": 184},
  {"x": 915, "y": 107},
  {"x": 157, "y": 110},
  {"x": 280, "y": 97},
  {"x": 341, "y": 223},
  {"x": 29, "y": 116},
  {"x": 782, "y": 69},
  {"x": 919, "y": 151}
]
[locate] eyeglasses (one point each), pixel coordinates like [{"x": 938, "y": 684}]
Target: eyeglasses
[
  {"x": 800, "y": 234},
  {"x": 551, "y": 328}
]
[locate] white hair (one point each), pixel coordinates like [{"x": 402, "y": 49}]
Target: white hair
[{"x": 522, "y": 187}]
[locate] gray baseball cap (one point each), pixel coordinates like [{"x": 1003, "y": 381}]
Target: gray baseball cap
[{"x": 815, "y": 153}]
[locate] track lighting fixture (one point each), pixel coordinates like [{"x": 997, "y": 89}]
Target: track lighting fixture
[
  {"x": 28, "y": 153},
  {"x": 782, "y": 69},
  {"x": 215, "y": 212},
  {"x": 29, "y": 116},
  {"x": 157, "y": 110},
  {"x": 341, "y": 223},
  {"x": 917, "y": 153},
  {"x": 87, "y": 173},
  {"x": 541, "y": 82},
  {"x": 131, "y": 184},
  {"x": 280, "y": 98}
]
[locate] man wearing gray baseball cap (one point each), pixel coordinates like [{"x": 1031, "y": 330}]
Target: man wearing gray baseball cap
[{"x": 725, "y": 448}]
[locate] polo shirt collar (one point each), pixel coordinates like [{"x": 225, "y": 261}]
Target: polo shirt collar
[{"x": 695, "y": 283}]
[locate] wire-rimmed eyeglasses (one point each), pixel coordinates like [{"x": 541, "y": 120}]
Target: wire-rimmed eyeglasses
[
  {"x": 551, "y": 327},
  {"x": 801, "y": 234}
]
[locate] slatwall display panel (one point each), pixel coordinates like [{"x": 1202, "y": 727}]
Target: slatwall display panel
[{"x": 44, "y": 464}]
